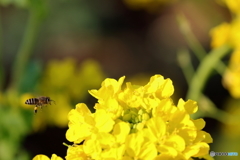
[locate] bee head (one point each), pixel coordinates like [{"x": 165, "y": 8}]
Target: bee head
[{"x": 49, "y": 100}]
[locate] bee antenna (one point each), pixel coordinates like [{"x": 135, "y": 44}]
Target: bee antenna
[{"x": 53, "y": 101}]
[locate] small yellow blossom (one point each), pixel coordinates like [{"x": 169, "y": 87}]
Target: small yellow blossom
[
  {"x": 233, "y": 5},
  {"x": 231, "y": 78},
  {"x": 63, "y": 75},
  {"x": 138, "y": 146},
  {"x": 220, "y": 35},
  {"x": 76, "y": 153},
  {"x": 43, "y": 157},
  {"x": 228, "y": 33},
  {"x": 82, "y": 124}
]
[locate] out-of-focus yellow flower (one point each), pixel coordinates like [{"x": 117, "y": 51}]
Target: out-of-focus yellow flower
[
  {"x": 89, "y": 75},
  {"x": 233, "y": 5},
  {"x": 232, "y": 128},
  {"x": 58, "y": 74},
  {"x": 138, "y": 121},
  {"x": 65, "y": 76},
  {"x": 220, "y": 35},
  {"x": 234, "y": 33},
  {"x": 43, "y": 157},
  {"x": 66, "y": 83},
  {"x": 226, "y": 33},
  {"x": 232, "y": 75}
]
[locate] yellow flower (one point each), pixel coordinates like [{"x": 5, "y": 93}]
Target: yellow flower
[
  {"x": 138, "y": 122},
  {"x": 227, "y": 33},
  {"x": 76, "y": 153},
  {"x": 66, "y": 83},
  {"x": 138, "y": 146},
  {"x": 233, "y": 5},
  {"x": 234, "y": 33},
  {"x": 106, "y": 96},
  {"x": 231, "y": 78},
  {"x": 82, "y": 124},
  {"x": 86, "y": 71},
  {"x": 220, "y": 35},
  {"x": 43, "y": 157},
  {"x": 63, "y": 75}
]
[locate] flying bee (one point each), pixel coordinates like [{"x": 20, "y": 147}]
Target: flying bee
[{"x": 39, "y": 102}]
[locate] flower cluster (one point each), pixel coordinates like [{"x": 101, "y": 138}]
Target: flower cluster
[
  {"x": 138, "y": 122},
  {"x": 228, "y": 33}
]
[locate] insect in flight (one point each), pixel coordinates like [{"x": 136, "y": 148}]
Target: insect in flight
[{"x": 39, "y": 102}]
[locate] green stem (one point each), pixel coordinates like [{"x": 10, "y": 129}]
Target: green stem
[
  {"x": 26, "y": 47},
  {"x": 203, "y": 72},
  {"x": 223, "y": 117},
  {"x": 190, "y": 38},
  {"x": 194, "y": 44},
  {"x": 210, "y": 110},
  {"x": 1, "y": 59},
  {"x": 184, "y": 62}
]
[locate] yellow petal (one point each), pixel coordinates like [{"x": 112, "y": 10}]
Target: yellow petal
[
  {"x": 175, "y": 142},
  {"x": 220, "y": 35},
  {"x": 134, "y": 143},
  {"x": 55, "y": 157},
  {"x": 92, "y": 147},
  {"x": 76, "y": 153},
  {"x": 156, "y": 127},
  {"x": 190, "y": 106},
  {"x": 199, "y": 123},
  {"x": 196, "y": 150},
  {"x": 160, "y": 87},
  {"x": 41, "y": 157},
  {"x": 109, "y": 88},
  {"x": 104, "y": 122},
  {"x": 120, "y": 131}
]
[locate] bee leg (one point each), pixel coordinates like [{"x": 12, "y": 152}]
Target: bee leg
[{"x": 35, "y": 109}]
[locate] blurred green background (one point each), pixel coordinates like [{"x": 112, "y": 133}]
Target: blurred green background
[{"x": 64, "y": 48}]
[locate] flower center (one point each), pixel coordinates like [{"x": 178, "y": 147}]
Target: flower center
[{"x": 136, "y": 118}]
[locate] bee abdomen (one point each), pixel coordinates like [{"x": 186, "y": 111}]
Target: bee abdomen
[{"x": 32, "y": 101}]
